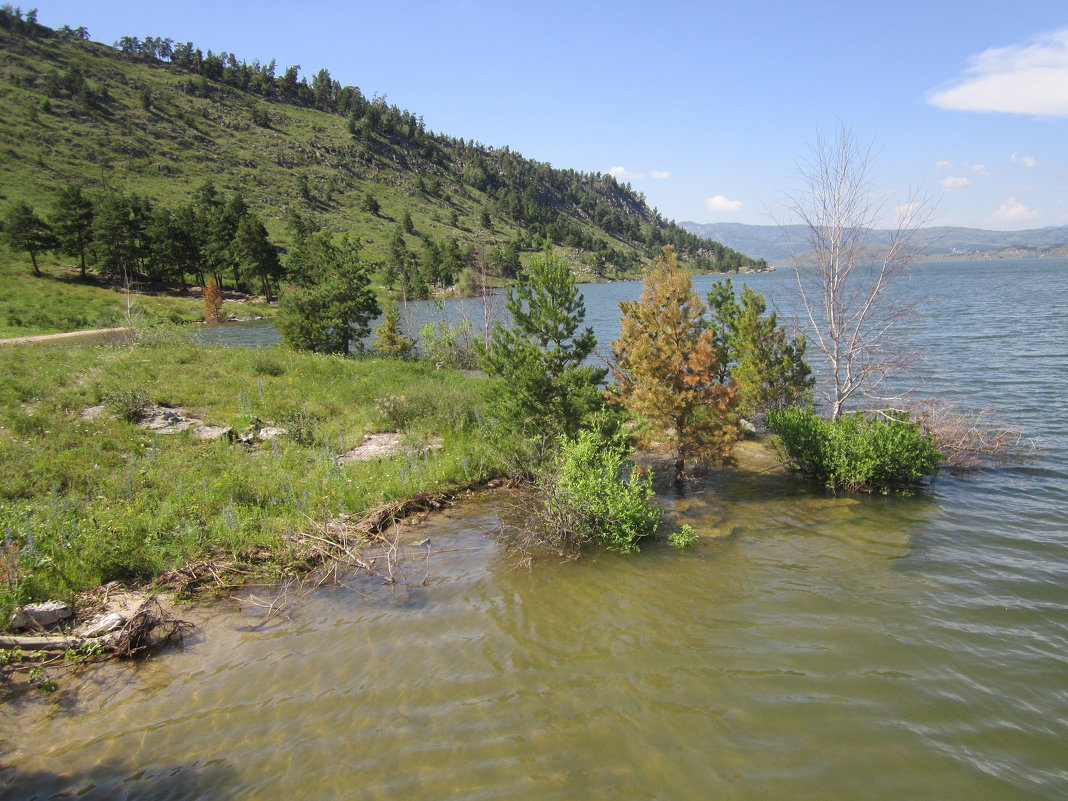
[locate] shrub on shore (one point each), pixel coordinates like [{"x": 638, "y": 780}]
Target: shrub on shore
[{"x": 879, "y": 452}]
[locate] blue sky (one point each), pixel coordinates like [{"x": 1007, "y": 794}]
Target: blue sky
[{"x": 706, "y": 108}]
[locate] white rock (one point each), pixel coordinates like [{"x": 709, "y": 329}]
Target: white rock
[
  {"x": 210, "y": 432},
  {"x": 270, "y": 432},
  {"x": 46, "y": 614}
]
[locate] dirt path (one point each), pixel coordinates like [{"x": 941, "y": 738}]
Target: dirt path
[{"x": 66, "y": 335}]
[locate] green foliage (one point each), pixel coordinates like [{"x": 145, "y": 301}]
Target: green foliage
[
  {"x": 23, "y": 231},
  {"x": 300, "y": 424},
  {"x": 265, "y": 365},
  {"x": 97, "y": 133},
  {"x": 880, "y": 452},
  {"x": 683, "y": 538},
  {"x": 334, "y": 304},
  {"x": 543, "y": 386},
  {"x": 593, "y": 493},
  {"x": 128, "y": 404},
  {"x": 92, "y": 501},
  {"x": 448, "y": 344},
  {"x": 668, "y": 372},
  {"x": 389, "y": 339},
  {"x": 768, "y": 367}
]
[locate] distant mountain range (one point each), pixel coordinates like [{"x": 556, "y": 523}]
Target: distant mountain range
[{"x": 772, "y": 242}]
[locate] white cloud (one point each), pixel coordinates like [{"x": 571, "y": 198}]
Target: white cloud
[
  {"x": 907, "y": 211},
  {"x": 721, "y": 203},
  {"x": 1027, "y": 161},
  {"x": 1012, "y": 209},
  {"x": 942, "y": 165},
  {"x": 623, "y": 173},
  {"x": 658, "y": 174},
  {"x": 979, "y": 168},
  {"x": 1030, "y": 78},
  {"x": 954, "y": 182}
]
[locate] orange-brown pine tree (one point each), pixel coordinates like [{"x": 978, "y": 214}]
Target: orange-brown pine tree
[
  {"x": 667, "y": 371},
  {"x": 212, "y": 301}
]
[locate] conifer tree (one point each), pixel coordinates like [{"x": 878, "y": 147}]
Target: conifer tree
[
  {"x": 768, "y": 366},
  {"x": 390, "y": 341},
  {"x": 543, "y": 385},
  {"x": 667, "y": 370},
  {"x": 24, "y": 231},
  {"x": 213, "y": 302},
  {"x": 72, "y": 222},
  {"x": 334, "y": 304}
]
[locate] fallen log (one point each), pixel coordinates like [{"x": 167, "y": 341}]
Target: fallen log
[{"x": 57, "y": 642}]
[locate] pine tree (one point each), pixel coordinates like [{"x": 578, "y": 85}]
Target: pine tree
[
  {"x": 213, "y": 302},
  {"x": 543, "y": 384},
  {"x": 334, "y": 304},
  {"x": 72, "y": 222},
  {"x": 24, "y": 231},
  {"x": 389, "y": 339},
  {"x": 768, "y": 367},
  {"x": 667, "y": 371},
  {"x": 254, "y": 251}
]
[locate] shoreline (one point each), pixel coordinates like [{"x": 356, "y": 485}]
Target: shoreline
[{"x": 65, "y": 335}]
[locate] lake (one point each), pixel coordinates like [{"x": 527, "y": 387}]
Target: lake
[{"x": 808, "y": 647}]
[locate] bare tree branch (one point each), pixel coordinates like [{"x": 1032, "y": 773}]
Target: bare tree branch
[{"x": 854, "y": 317}]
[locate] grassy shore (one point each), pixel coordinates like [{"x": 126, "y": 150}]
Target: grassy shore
[
  {"x": 87, "y": 501},
  {"x": 61, "y": 300}
]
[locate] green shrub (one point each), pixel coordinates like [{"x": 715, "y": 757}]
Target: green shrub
[
  {"x": 683, "y": 538},
  {"x": 129, "y": 404},
  {"x": 448, "y": 345},
  {"x": 265, "y": 365},
  {"x": 861, "y": 453},
  {"x": 301, "y": 425},
  {"x": 592, "y": 492}
]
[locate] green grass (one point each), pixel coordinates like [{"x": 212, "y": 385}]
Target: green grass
[
  {"x": 83, "y": 502},
  {"x": 61, "y": 301},
  {"x": 184, "y": 140}
]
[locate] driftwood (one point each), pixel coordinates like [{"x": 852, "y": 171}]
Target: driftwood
[
  {"x": 149, "y": 625},
  {"x": 53, "y": 642}
]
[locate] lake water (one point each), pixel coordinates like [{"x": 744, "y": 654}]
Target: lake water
[{"x": 808, "y": 647}]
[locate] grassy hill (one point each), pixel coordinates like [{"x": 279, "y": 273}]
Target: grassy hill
[{"x": 159, "y": 120}]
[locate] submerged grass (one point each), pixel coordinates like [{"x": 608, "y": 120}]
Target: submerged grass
[{"x": 87, "y": 501}]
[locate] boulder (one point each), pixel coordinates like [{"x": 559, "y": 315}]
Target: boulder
[
  {"x": 167, "y": 419},
  {"x": 40, "y": 615},
  {"x": 93, "y": 412},
  {"x": 211, "y": 432}
]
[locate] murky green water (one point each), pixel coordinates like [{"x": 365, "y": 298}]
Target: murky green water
[{"x": 809, "y": 647}]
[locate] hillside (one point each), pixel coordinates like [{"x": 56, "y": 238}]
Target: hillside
[
  {"x": 154, "y": 119},
  {"x": 772, "y": 243}
]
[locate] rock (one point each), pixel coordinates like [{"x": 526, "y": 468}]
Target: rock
[
  {"x": 40, "y": 614},
  {"x": 93, "y": 412},
  {"x": 748, "y": 428},
  {"x": 167, "y": 419},
  {"x": 210, "y": 433},
  {"x": 270, "y": 432}
]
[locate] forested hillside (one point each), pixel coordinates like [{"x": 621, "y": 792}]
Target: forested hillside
[{"x": 184, "y": 164}]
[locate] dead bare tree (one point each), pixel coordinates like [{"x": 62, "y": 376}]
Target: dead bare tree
[{"x": 854, "y": 316}]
